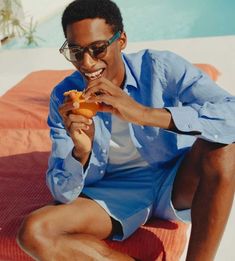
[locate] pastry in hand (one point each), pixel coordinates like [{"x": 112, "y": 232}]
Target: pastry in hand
[{"x": 86, "y": 109}]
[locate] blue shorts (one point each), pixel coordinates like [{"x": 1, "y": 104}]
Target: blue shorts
[{"x": 133, "y": 196}]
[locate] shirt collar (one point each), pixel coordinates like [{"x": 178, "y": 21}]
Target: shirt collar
[{"x": 130, "y": 79}]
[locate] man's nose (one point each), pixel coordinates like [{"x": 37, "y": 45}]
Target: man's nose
[{"x": 88, "y": 61}]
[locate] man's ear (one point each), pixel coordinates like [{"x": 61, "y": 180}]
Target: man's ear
[{"x": 123, "y": 41}]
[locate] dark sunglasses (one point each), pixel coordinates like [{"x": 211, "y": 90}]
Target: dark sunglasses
[{"x": 96, "y": 50}]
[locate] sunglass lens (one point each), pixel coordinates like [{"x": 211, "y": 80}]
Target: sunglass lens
[
  {"x": 69, "y": 55},
  {"x": 78, "y": 56},
  {"x": 98, "y": 51}
]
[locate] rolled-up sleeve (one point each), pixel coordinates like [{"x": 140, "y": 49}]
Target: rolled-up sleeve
[
  {"x": 65, "y": 175},
  {"x": 202, "y": 108}
]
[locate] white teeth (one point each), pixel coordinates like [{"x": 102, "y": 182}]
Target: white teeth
[{"x": 94, "y": 75}]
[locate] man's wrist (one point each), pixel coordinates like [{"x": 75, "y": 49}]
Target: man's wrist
[{"x": 81, "y": 157}]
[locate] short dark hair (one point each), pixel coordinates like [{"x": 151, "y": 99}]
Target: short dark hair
[{"x": 82, "y": 9}]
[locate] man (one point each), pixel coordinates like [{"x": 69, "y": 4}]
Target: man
[{"x": 160, "y": 146}]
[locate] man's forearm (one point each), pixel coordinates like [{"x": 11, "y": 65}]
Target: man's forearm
[{"x": 159, "y": 118}]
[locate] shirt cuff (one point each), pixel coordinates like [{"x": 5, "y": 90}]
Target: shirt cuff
[{"x": 185, "y": 119}]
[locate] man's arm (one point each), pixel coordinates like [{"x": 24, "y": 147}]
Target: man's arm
[
  {"x": 200, "y": 106},
  {"x": 65, "y": 174}
]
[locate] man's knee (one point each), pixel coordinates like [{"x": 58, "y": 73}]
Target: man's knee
[{"x": 34, "y": 232}]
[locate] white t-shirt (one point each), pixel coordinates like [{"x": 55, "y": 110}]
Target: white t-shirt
[{"x": 122, "y": 152}]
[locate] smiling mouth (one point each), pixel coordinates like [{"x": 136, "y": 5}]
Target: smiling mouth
[{"x": 94, "y": 75}]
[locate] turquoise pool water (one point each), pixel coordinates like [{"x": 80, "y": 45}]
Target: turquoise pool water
[{"x": 148, "y": 20}]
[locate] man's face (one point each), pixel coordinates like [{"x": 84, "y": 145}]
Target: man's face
[{"x": 89, "y": 31}]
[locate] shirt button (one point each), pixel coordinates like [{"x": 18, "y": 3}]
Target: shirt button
[
  {"x": 101, "y": 172},
  {"x": 216, "y": 136},
  {"x": 106, "y": 122}
]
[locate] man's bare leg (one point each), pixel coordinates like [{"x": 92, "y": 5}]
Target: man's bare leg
[
  {"x": 205, "y": 182},
  {"x": 68, "y": 232}
]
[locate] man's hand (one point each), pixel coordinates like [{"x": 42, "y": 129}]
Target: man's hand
[
  {"x": 80, "y": 129},
  {"x": 113, "y": 99}
]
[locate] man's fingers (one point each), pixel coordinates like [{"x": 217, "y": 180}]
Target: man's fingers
[
  {"x": 77, "y": 122},
  {"x": 101, "y": 86},
  {"x": 94, "y": 91},
  {"x": 103, "y": 98},
  {"x": 75, "y": 126},
  {"x": 79, "y": 118},
  {"x": 67, "y": 107}
]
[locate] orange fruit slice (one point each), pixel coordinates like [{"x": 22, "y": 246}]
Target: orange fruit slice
[{"x": 86, "y": 109}]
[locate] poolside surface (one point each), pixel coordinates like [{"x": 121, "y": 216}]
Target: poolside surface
[{"x": 218, "y": 51}]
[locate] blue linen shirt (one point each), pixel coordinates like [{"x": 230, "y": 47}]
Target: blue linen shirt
[{"x": 157, "y": 79}]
